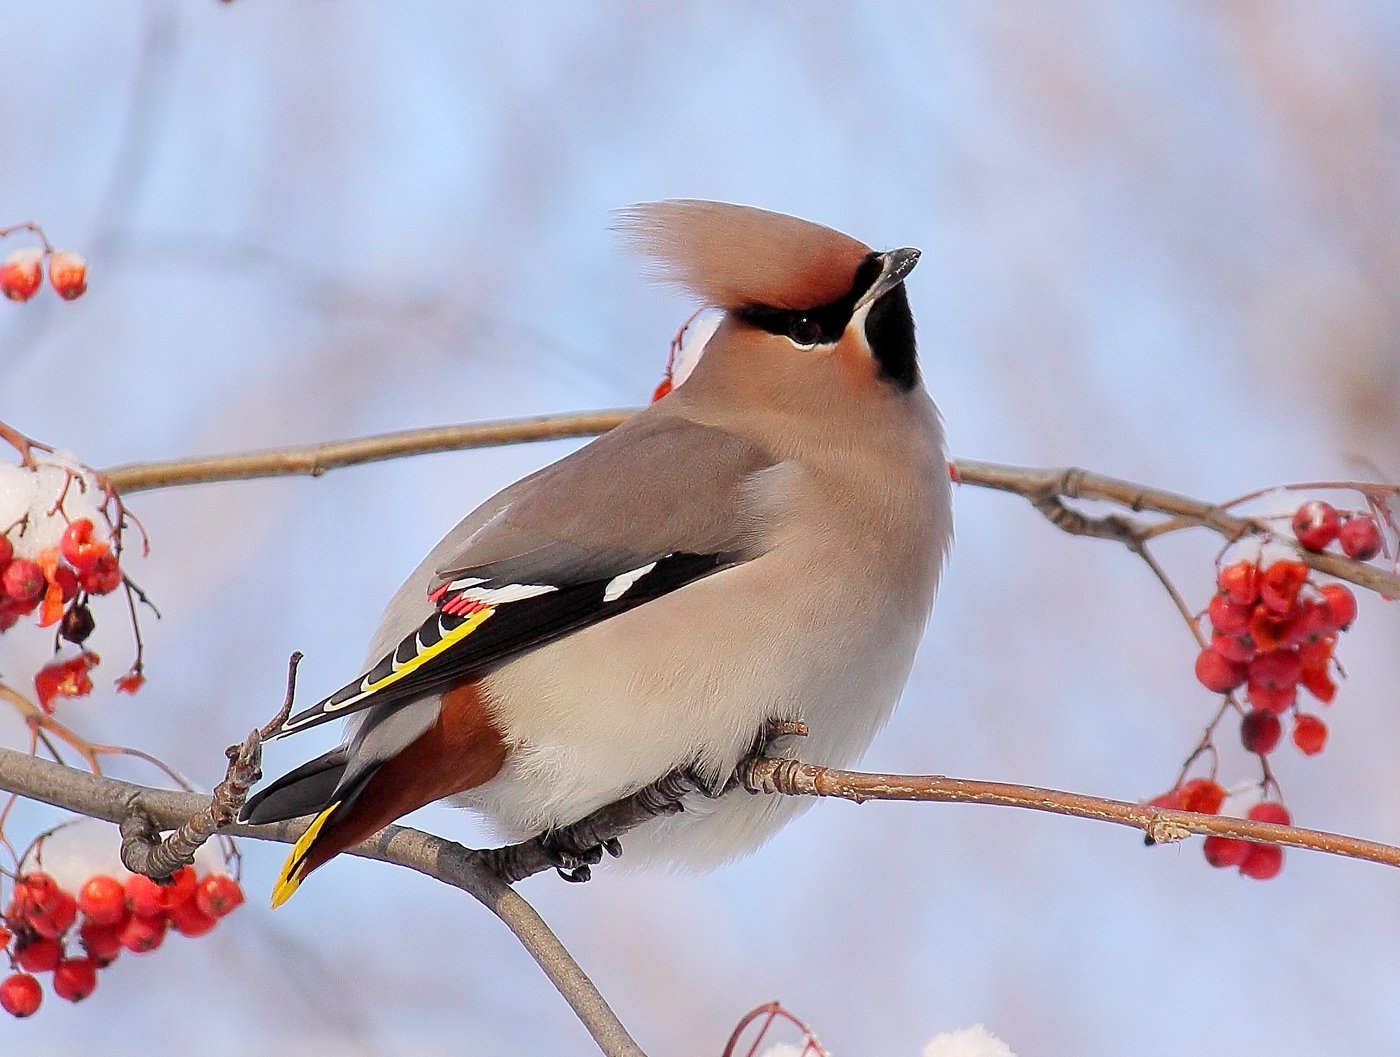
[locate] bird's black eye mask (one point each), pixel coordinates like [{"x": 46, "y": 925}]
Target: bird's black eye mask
[{"x": 889, "y": 327}]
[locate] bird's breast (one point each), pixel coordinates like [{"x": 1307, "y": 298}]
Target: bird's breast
[{"x": 822, "y": 626}]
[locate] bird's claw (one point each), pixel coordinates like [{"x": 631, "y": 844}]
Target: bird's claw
[{"x": 572, "y": 862}]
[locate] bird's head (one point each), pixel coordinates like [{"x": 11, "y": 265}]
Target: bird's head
[{"x": 807, "y": 308}]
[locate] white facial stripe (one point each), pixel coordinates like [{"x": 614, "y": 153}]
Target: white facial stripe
[{"x": 620, "y": 585}]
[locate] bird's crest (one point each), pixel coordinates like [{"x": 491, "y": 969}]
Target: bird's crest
[{"x": 732, "y": 256}]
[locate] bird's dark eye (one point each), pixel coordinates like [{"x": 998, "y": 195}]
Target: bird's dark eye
[{"x": 805, "y": 332}]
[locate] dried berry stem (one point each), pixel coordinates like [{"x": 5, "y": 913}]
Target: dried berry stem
[{"x": 29, "y": 226}]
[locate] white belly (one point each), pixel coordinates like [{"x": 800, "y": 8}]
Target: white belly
[{"x": 690, "y": 679}]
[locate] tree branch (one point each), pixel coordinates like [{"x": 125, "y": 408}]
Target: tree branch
[
  {"x": 105, "y": 798},
  {"x": 97, "y": 796},
  {"x": 1045, "y": 488},
  {"x": 312, "y": 460},
  {"x": 1161, "y": 825}
]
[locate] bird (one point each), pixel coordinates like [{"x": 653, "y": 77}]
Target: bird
[{"x": 762, "y": 545}]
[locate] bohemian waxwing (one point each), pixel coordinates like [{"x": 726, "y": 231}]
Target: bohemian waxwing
[{"x": 762, "y": 544}]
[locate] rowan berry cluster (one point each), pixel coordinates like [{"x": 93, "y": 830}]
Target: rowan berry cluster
[
  {"x": 48, "y": 929},
  {"x": 22, "y": 273},
  {"x": 1273, "y": 632},
  {"x": 60, "y": 547}
]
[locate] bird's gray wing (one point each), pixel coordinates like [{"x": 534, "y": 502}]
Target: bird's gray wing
[{"x": 644, "y": 510}]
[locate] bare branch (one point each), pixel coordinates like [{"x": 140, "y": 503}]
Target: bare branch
[
  {"x": 1045, "y": 489},
  {"x": 1162, "y": 825},
  {"x": 312, "y": 460},
  {"x": 107, "y": 798}
]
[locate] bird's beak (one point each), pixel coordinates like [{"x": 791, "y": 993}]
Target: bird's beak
[{"x": 896, "y": 264}]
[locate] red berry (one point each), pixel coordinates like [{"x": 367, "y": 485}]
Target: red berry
[
  {"x": 142, "y": 934},
  {"x": 1171, "y": 799},
  {"x": 102, "y": 942},
  {"x": 189, "y": 920},
  {"x": 38, "y": 891},
  {"x": 218, "y": 894},
  {"x": 68, "y": 678},
  {"x": 1276, "y": 670},
  {"x": 68, "y": 274},
  {"x": 1342, "y": 602},
  {"x": 103, "y": 900},
  {"x": 1270, "y": 811},
  {"x": 1263, "y": 861},
  {"x": 78, "y": 547},
  {"x": 131, "y": 682},
  {"x": 1318, "y": 682},
  {"x": 1237, "y": 648},
  {"x": 1316, "y": 524},
  {"x": 75, "y": 979},
  {"x": 39, "y": 955},
  {"x": 1240, "y": 581},
  {"x": 1273, "y": 700},
  {"x": 23, "y": 581},
  {"x": 20, "y": 274},
  {"x": 20, "y": 995},
  {"x": 1279, "y": 585},
  {"x": 1260, "y": 731},
  {"x": 103, "y": 578},
  {"x": 54, "y": 920},
  {"x": 1202, "y": 795},
  {"x": 67, "y": 581},
  {"x": 1309, "y": 734},
  {"x": 663, "y": 388},
  {"x": 7, "y": 549},
  {"x": 181, "y": 889},
  {"x": 1226, "y": 616},
  {"x": 1360, "y": 538},
  {"x": 1225, "y": 851},
  {"x": 1217, "y": 673},
  {"x": 1313, "y": 621},
  {"x": 144, "y": 897}
]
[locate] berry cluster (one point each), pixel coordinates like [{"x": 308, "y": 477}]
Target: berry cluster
[
  {"x": 105, "y": 917},
  {"x": 1318, "y": 524},
  {"x": 60, "y": 547},
  {"x": 22, "y": 273},
  {"x": 1272, "y": 631}
]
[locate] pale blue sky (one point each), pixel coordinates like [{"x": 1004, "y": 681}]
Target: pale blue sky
[{"x": 1159, "y": 240}]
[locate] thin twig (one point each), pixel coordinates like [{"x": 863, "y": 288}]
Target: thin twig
[{"x": 144, "y": 851}]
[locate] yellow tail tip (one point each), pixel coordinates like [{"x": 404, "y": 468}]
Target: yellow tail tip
[{"x": 294, "y": 869}]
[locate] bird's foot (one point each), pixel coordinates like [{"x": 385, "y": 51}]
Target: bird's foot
[
  {"x": 746, "y": 775},
  {"x": 573, "y": 853}
]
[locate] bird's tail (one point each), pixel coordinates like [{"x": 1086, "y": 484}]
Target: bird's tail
[{"x": 353, "y": 799}]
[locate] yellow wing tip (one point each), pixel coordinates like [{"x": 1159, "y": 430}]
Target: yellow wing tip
[{"x": 289, "y": 880}]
